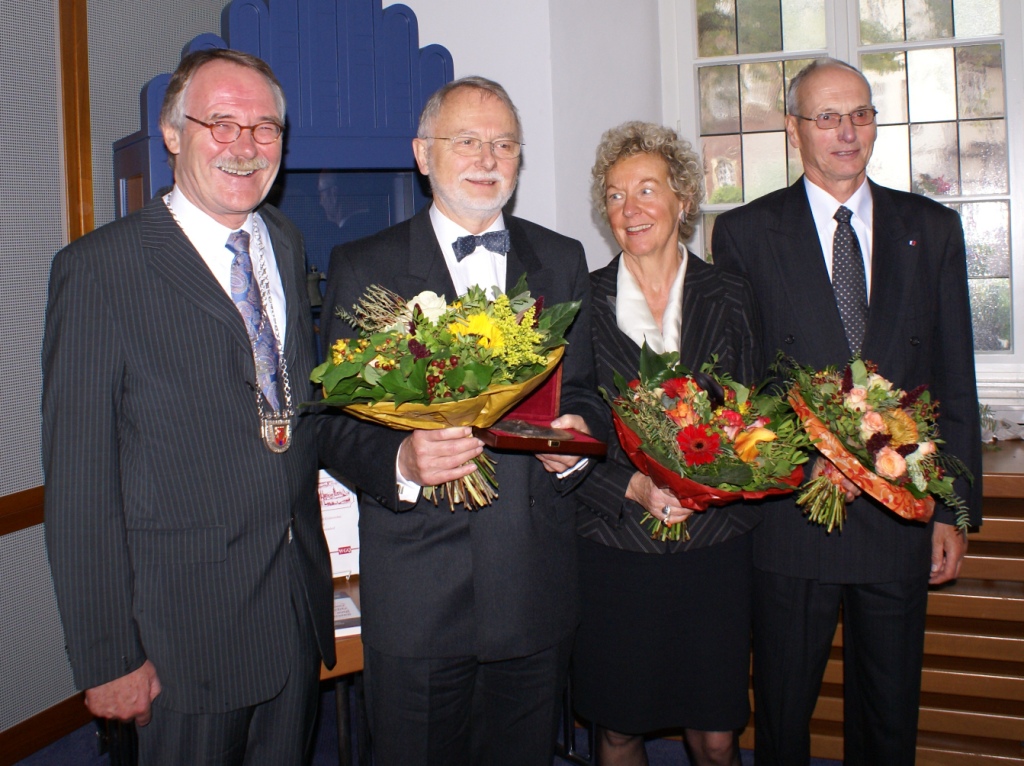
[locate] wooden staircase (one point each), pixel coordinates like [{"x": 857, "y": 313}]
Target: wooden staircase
[{"x": 972, "y": 687}]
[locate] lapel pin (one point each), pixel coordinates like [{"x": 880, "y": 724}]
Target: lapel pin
[{"x": 912, "y": 243}]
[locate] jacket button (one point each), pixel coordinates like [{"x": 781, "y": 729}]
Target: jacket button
[
  {"x": 533, "y": 501},
  {"x": 915, "y": 341},
  {"x": 789, "y": 340}
]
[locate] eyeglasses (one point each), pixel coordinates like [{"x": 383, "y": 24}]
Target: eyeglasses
[
  {"x": 832, "y": 120},
  {"x": 228, "y": 132},
  {"x": 468, "y": 146}
]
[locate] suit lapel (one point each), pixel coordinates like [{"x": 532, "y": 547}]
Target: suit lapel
[
  {"x": 426, "y": 264},
  {"x": 521, "y": 259},
  {"x": 893, "y": 260},
  {"x": 171, "y": 258},
  {"x": 800, "y": 264},
  {"x": 285, "y": 255}
]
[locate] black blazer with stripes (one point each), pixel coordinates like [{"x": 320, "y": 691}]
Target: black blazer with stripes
[
  {"x": 167, "y": 519},
  {"x": 717, "y": 319}
]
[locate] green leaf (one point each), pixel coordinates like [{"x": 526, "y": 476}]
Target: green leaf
[{"x": 555, "y": 321}]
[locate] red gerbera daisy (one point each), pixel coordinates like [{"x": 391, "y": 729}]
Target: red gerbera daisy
[{"x": 699, "y": 444}]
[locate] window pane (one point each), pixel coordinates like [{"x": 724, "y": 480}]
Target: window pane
[
  {"x": 890, "y": 162},
  {"x": 881, "y": 21},
  {"x": 973, "y": 18},
  {"x": 887, "y": 73},
  {"x": 716, "y": 27},
  {"x": 708, "y": 225},
  {"x": 979, "y": 81},
  {"x": 794, "y": 163},
  {"x": 983, "y": 168},
  {"x": 931, "y": 83},
  {"x": 764, "y": 164},
  {"x": 992, "y": 312},
  {"x": 935, "y": 168},
  {"x": 760, "y": 26},
  {"x": 719, "y": 100},
  {"x": 929, "y": 19},
  {"x": 792, "y": 68},
  {"x": 723, "y": 169},
  {"x": 803, "y": 25},
  {"x": 763, "y": 106},
  {"x": 987, "y": 231}
]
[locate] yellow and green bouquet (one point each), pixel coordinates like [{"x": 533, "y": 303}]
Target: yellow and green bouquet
[{"x": 427, "y": 363}]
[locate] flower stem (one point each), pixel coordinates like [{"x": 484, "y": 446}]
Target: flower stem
[
  {"x": 824, "y": 502},
  {"x": 475, "y": 491}
]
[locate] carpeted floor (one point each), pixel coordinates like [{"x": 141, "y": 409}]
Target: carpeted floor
[{"x": 80, "y": 748}]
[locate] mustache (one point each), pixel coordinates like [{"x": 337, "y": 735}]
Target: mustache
[
  {"x": 242, "y": 164},
  {"x": 477, "y": 175}
]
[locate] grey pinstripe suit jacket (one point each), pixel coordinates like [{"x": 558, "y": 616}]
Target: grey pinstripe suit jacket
[
  {"x": 717, "y": 319},
  {"x": 499, "y": 582},
  {"x": 167, "y": 520}
]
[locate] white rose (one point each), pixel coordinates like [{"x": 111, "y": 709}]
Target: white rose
[
  {"x": 877, "y": 381},
  {"x": 431, "y": 304}
]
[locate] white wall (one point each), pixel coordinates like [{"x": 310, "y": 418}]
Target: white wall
[{"x": 573, "y": 68}]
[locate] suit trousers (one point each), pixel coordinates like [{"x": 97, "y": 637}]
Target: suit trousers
[
  {"x": 459, "y": 711},
  {"x": 278, "y": 731},
  {"x": 883, "y": 647}
]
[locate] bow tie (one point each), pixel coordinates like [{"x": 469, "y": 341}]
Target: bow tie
[{"x": 495, "y": 241}]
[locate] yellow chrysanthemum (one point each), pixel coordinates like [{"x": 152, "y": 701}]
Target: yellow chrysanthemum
[
  {"x": 901, "y": 427},
  {"x": 481, "y": 325}
]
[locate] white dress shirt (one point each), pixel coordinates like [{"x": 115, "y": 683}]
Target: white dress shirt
[
  {"x": 634, "y": 317},
  {"x": 210, "y": 239},
  {"x": 824, "y": 207},
  {"x": 481, "y": 267}
]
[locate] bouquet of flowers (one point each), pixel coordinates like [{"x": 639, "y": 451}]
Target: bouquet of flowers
[
  {"x": 881, "y": 438},
  {"x": 705, "y": 437},
  {"x": 426, "y": 363}
]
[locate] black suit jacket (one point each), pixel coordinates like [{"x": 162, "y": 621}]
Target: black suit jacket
[
  {"x": 718, "y": 318},
  {"x": 496, "y": 583},
  {"x": 918, "y": 331},
  {"x": 167, "y": 519}
]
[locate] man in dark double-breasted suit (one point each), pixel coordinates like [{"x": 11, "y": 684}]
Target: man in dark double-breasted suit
[
  {"x": 182, "y": 519},
  {"x": 917, "y": 331},
  {"x": 468, "y": 616}
]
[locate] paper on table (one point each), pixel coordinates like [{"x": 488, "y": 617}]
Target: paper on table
[
  {"x": 346, "y": 616},
  {"x": 339, "y": 511}
]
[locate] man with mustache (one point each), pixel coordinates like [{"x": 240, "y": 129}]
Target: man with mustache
[
  {"x": 468, "y": 616},
  {"x": 182, "y": 520}
]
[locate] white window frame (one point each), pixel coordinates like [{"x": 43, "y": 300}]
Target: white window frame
[{"x": 1000, "y": 374}]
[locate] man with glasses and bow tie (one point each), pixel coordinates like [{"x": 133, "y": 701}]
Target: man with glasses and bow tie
[
  {"x": 468, "y": 616},
  {"x": 842, "y": 266},
  {"x": 182, "y": 519}
]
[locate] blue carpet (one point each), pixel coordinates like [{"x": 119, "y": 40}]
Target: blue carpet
[{"x": 80, "y": 748}]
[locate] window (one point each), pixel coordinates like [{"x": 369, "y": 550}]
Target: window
[{"x": 940, "y": 71}]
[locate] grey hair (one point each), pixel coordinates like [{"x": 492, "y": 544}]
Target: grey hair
[
  {"x": 793, "y": 95},
  {"x": 172, "y": 113},
  {"x": 685, "y": 172},
  {"x": 433, "y": 106}
]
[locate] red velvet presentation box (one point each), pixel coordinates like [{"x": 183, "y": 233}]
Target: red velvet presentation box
[{"x": 525, "y": 427}]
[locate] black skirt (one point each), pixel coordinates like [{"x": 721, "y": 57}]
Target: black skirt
[{"x": 664, "y": 640}]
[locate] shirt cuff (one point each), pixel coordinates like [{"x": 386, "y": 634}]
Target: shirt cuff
[
  {"x": 408, "y": 491},
  {"x": 581, "y": 463}
]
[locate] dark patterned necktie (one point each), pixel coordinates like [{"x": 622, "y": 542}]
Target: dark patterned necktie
[
  {"x": 246, "y": 294},
  {"x": 848, "y": 282},
  {"x": 495, "y": 241}
]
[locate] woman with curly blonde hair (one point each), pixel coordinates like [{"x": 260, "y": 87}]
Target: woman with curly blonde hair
[{"x": 664, "y": 640}]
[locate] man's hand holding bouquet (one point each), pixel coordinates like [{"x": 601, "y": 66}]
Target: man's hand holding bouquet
[
  {"x": 424, "y": 363},
  {"x": 882, "y": 439}
]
